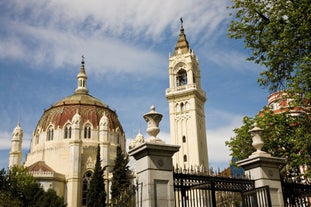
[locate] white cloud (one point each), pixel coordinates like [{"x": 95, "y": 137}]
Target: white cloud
[
  {"x": 5, "y": 141},
  {"x": 109, "y": 33},
  {"x": 217, "y": 136},
  {"x": 103, "y": 54},
  {"x": 232, "y": 59}
]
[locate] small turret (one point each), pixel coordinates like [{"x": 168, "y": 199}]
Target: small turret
[
  {"x": 16, "y": 146},
  {"x": 82, "y": 77}
]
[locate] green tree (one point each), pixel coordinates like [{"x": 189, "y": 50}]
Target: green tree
[
  {"x": 96, "y": 196},
  {"x": 49, "y": 199},
  {"x": 284, "y": 136},
  {"x": 278, "y": 33},
  {"x": 18, "y": 188},
  {"x": 120, "y": 179}
]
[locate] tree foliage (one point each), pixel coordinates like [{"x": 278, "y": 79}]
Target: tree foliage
[
  {"x": 96, "y": 196},
  {"x": 279, "y": 35},
  {"x": 285, "y": 136},
  {"x": 18, "y": 188},
  {"x": 121, "y": 173}
]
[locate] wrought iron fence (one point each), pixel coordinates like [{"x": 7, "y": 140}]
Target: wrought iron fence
[
  {"x": 257, "y": 197},
  {"x": 296, "y": 195},
  {"x": 209, "y": 191}
]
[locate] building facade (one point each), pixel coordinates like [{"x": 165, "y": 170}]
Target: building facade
[
  {"x": 64, "y": 145},
  {"x": 186, "y": 107}
]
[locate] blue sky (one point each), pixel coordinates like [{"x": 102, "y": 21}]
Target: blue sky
[{"x": 126, "y": 45}]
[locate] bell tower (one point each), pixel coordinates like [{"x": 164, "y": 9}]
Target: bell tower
[{"x": 186, "y": 107}]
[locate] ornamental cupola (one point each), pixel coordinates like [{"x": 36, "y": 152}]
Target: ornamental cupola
[{"x": 82, "y": 77}]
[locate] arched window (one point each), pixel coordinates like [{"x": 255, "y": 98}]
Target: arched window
[
  {"x": 87, "y": 131},
  {"x": 182, "y": 107},
  {"x": 81, "y": 83},
  {"x": 85, "y": 185},
  {"x": 67, "y": 132},
  {"x": 177, "y": 107},
  {"x": 185, "y": 158},
  {"x": 187, "y": 106},
  {"x": 50, "y": 133},
  {"x": 184, "y": 139},
  {"x": 181, "y": 78}
]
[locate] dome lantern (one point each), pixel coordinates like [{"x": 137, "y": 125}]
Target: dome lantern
[{"x": 82, "y": 77}]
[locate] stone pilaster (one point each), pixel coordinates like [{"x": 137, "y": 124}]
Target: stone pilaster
[{"x": 74, "y": 177}]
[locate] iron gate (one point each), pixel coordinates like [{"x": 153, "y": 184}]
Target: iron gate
[{"x": 212, "y": 191}]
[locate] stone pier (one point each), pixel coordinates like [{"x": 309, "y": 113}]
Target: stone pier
[
  {"x": 154, "y": 166},
  {"x": 264, "y": 169}
]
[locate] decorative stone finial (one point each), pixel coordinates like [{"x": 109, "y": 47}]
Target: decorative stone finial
[
  {"x": 256, "y": 134},
  {"x": 153, "y": 119},
  {"x": 137, "y": 141},
  {"x": 76, "y": 119}
]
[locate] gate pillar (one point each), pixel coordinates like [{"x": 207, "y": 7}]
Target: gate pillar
[
  {"x": 264, "y": 169},
  {"x": 154, "y": 170},
  {"x": 154, "y": 166}
]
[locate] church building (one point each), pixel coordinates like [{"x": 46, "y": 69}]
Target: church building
[{"x": 64, "y": 143}]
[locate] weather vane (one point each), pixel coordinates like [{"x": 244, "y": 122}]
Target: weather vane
[
  {"x": 181, "y": 21},
  {"x": 82, "y": 59}
]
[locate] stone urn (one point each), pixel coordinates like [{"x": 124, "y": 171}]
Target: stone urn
[
  {"x": 256, "y": 134},
  {"x": 153, "y": 119}
]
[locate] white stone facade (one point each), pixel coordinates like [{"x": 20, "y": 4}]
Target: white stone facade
[
  {"x": 186, "y": 107},
  {"x": 64, "y": 145}
]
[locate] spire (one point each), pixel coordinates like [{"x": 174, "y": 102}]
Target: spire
[
  {"x": 182, "y": 45},
  {"x": 81, "y": 88}
]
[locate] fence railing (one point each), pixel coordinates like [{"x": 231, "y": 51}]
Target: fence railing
[
  {"x": 296, "y": 195},
  {"x": 208, "y": 191},
  {"x": 257, "y": 197}
]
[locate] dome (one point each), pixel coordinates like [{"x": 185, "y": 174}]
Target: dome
[
  {"x": 76, "y": 120},
  {"x": 89, "y": 108}
]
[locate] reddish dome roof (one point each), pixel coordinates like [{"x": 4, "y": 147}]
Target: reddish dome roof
[{"x": 91, "y": 109}]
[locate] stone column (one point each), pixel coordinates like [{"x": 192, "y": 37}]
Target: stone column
[
  {"x": 264, "y": 169},
  {"x": 154, "y": 166}
]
